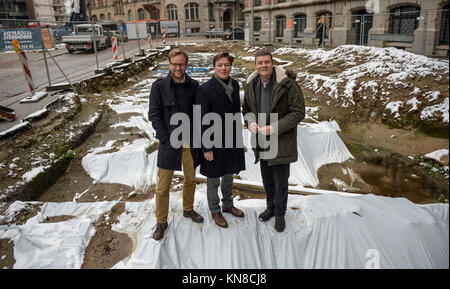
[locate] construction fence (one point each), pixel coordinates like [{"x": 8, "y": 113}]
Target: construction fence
[{"x": 41, "y": 63}]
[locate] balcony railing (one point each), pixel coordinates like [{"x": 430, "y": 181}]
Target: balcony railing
[{"x": 225, "y": 1}]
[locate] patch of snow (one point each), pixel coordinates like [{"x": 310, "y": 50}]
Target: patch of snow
[
  {"x": 433, "y": 95},
  {"x": 14, "y": 128},
  {"x": 413, "y": 102},
  {"x": 247, "y": 58},
  {"x": 37, "y": 113},
  {"x": 28, "y": 176},
  {"x": 394, "y": 107},
  {"x": 439, "y": 110},
  {"x": 416, "y": 90},
  {"x": 436, "y": 155}
]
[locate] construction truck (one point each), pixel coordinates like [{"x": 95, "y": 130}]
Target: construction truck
[{"x": 83, "y": 39}]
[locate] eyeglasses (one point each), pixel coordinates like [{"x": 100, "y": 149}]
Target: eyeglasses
[{"x": 181, "y": 65}]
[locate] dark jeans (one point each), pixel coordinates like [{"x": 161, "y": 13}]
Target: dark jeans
[{"x": 275, "y": 181}]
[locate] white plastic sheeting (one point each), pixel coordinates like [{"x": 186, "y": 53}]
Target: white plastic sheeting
[
  {"x": 130, "y": 165},
  {"x": 318, "y": 144},
  {"x": 53, "y": 245},
  {"x": 321, "y": 232}
]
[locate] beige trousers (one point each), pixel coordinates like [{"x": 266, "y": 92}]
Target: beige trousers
[{"x": 165, "y": 182}]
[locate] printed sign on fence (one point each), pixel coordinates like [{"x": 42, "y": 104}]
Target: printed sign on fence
[
  {"x": 169, "y": 26},
  {"x": 30, "y": 39}
]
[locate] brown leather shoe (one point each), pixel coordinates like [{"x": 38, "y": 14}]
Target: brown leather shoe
[
  {"x": 159, "y": 232},
  {"x": 219, "y": 220},
  {"x": 193, "y": 215},
  {"x": 234, "y": 211}
]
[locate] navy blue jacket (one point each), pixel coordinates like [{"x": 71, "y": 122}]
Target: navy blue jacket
[
  {"x": 212, "y": 98},
  {"x": 162, "y": 106}
]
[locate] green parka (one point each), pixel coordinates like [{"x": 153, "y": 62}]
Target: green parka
[{"x": 288, "y": 102}]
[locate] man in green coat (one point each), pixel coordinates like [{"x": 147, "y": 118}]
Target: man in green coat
[{"x": 270, "y": 90}]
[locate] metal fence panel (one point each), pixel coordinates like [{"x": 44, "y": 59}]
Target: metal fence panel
[
  {"x": 13, "y": 81},
  {"x": 42, "y": 43}
]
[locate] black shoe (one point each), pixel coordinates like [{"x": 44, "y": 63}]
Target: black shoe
[
  {"x": 279, "y": 223},
  {"x": 266, "y": 215},
  {"x": 159, "y": 232}
]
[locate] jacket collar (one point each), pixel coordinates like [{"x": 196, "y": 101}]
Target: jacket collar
[
  {"x": 279, "y": 72},
  {"x": 169, "y": 80}
]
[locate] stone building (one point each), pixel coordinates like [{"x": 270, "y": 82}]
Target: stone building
[
  {"x": 398, "y": 23},
  {"x": 16, "y": 9},
  {"x": 193, "y": 15},
  {"x": 43, "y": 10}
]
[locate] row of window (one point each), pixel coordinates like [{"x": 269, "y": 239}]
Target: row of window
[
  {"x": 140, "y": 13},
  {"x": 191, "y": 11},
  {"x": 13, "y": 7},
  {"x": 299, "y": 24},
  {"x": 402, "y": 21},
  {"x": 258, "y": 2}
]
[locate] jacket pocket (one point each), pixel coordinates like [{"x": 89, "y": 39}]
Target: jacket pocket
[{"x": 287, "y": 146}]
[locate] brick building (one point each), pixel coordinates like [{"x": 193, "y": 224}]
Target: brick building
[{"x": 193, "y": 15}]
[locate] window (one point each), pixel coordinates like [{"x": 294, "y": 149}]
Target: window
[
  {"x": 118, "y": 8},
  {"x": 102, "y": 16},
  {"x": 94, "y": 17},
  {"x": 191, "y": 10},
  {"x": 16, "y": 7},
  {"x": 280, "y": 25},
  {"x": 141, "y": 14},
  {"x": 192, "y": 30},
  {"x": 130, "y": 15},
  {"x": 281, "y": 1},
  {"x": 172, "y": 13},
  {"x": 257, "y": 2},
  {"x": 443, "y": 35},
  {"x": 210, "y": 11},
  {"x": 403, "y": 20},
  {"x": 299, "y": 24},
  {"x": 154, "y": 13},
  {"x": 109, "y": 16},
  {"x": 257, "y": 24},
  {"x": 241, "y": 13}
]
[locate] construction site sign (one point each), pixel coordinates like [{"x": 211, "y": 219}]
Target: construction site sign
[{"x": 30, "y": 39}]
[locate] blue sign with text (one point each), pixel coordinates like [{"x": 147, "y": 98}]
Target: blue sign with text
[{"x": 29, "y": 39}]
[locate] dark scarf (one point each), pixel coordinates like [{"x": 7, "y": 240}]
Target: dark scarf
[{"x": 227, "y": 86}]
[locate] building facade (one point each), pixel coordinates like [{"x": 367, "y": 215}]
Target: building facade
[
  {"x": 16, "y": 9},
  {"x": 43, "y": 10},
  {"x": 419, "y": 26},
  {"x": 193, "y": 16}
]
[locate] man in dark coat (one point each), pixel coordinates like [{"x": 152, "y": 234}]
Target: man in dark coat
[
  {"x": 270, "y": 90},
  {"x": 171, "y": 95},
  {"x": 224, "y": 155}
]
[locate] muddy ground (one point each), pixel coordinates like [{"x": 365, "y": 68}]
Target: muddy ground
[{"x": 383, "y": 164}]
